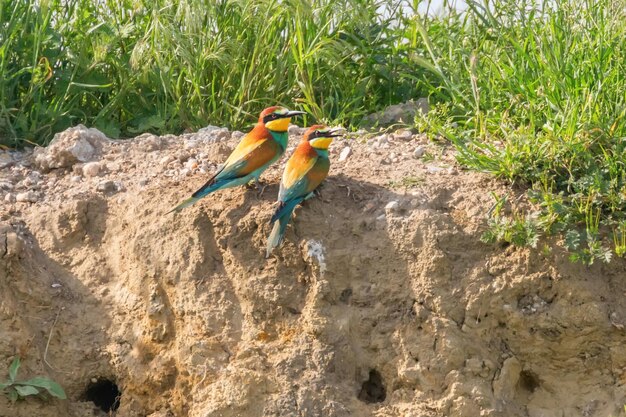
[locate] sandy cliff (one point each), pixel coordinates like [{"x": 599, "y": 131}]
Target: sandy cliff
[{"x": 381, "y": 302}]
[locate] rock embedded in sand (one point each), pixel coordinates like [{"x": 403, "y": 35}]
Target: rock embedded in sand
[
  {"x": 403, "y": 134},
  {"x": 434, "y": 170},
  {"x": 345, "y": 153},
  {"x": 398, "y": 113},
  {"x": 108, "y": 186},
  {"x": 148, "y": 142},
  {"x": 6, "y": 160},
  {"x": 212, "y": 134},
  {"x": 191, "y": 164},
  {"x": 392, "y": 206},
  {"x": 26, "y": 197},
  {"x": 191, "y": 144},
  {"x": 419, "y": 152},
  {"x": 504, "y": 385},
  {"x": 13, "y": 245},
  {"x": 381, "y": 141},
  {"x": 76, "y": 144},
  {"x": 6, "y": 185},
  {"x": 166, "y": 160},
  {"x": 91, "y": 169},
  {"x": 296, "y": 130},
  {"x": 236, "y": 135}
]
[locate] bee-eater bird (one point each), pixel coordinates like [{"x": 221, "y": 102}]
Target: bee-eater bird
[
  {"x": 256, "y": 151},
  {"x": 304, "y": 172}
]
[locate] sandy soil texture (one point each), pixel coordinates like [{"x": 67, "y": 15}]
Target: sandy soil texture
[{"x": 381, "y": 302}]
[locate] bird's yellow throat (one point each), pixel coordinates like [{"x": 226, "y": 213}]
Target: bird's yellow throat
[
  {"x": 279, "y": 125},
  {"x": 321, "y": 143}
]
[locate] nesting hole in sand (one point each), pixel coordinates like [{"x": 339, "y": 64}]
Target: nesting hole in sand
[
  {"x": 529, "y": 381},
  {"x": 104, "y": 393},
  {"x": 345, "y": 295},
  {"x": 373, "y": 390}
]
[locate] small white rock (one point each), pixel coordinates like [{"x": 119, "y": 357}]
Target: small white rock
[
  {"x": 295, "y": 130},
  {"x": 212, "y": 134},
  {"x": 6, "y": 185},
  {"x": 32, "y": 179},
  {"x": 107, "y": 186},
  {"x": 345, "y": 153},
  {"x": 76, "y": 178},
  {"x": 113, "y": 166},
  {"x": 166, "y": 160},
  {"x": 237, "y": 135},
  {"x": 403, "y": 134},
  {"x": 56, "y": 285},
  {"x": 91, "y": 169},
  {"x": 392, "y": 206},
  {"x": 6, "y": 160},
  {"x": 183, "y": 157},
  {"x": 419, "y": 152},
  {"x": 9, "y": 198},
  {"x": 191, "y": 164},
  {"x": 208, "y": 129},
  {"x": 434, "y": 170},
  {"x": 26, "y": 197},
  {"x": 191, "y": 144},
  {"x": 379, "y": 141}
]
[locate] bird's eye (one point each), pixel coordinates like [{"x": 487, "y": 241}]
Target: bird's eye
[{"x": 270, "y": 117}]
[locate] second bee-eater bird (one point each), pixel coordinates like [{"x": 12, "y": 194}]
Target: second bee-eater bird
[
  {"x": 256, "y": 151},
  {"x": 304, "y": 172}
]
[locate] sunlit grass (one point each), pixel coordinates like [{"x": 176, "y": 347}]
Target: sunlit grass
[
  {"x": 535, "y": 93},
  {"x": 129, "y": 66}
]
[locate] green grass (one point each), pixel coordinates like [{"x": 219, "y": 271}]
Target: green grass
[
  {"x": 129, "y": 66},
  {"x": 533, "y": 92}
]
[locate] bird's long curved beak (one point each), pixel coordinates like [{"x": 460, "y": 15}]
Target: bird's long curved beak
[
  {"x": 335, "y": 133},
  {"x": 292, "y": 113}
]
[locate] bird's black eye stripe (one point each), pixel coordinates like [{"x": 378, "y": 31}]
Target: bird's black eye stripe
[
  {"x": 270, "y": 117},
  {"x": 319, "y": 134}
]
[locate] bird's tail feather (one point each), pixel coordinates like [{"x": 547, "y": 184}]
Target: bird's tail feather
[
  {"x": 278, "y": 231},
  {"x": 285, "y": 208},
  {"x": 184, "y": 204},
  {"x": 208, "y": 188},
  {"x": 203, "y": 191}
]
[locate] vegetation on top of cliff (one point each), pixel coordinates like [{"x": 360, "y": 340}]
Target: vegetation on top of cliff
[
  {"x": 534, "y": 92},
  {"x": 130, "y": 66}
]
